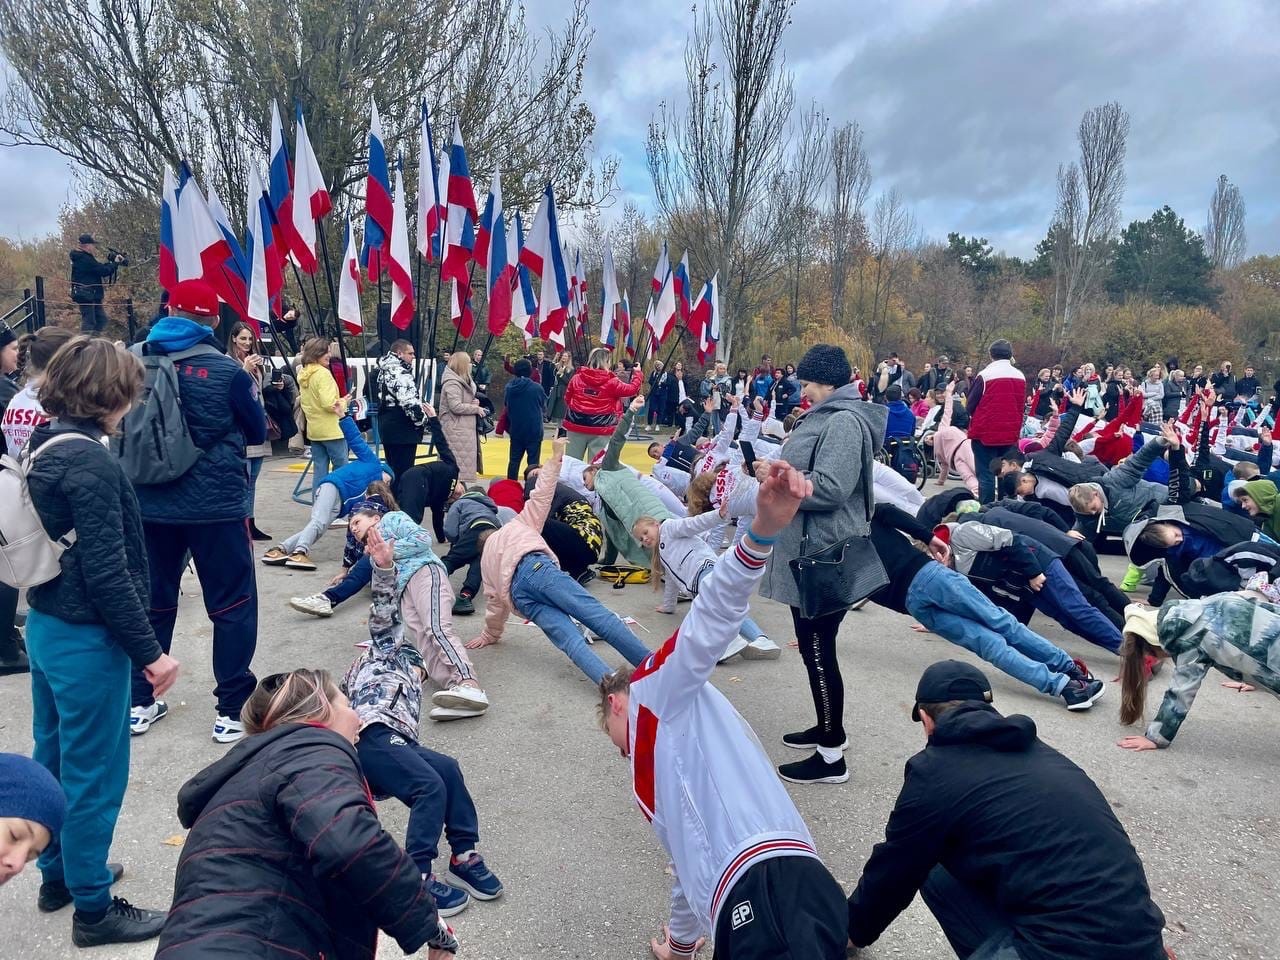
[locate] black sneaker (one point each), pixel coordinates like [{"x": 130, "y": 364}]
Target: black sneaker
[
  {"x": 123, "y": 923},
  {"x": 813, "y": 769},
  {"x": 463, "y": 606},
  {"x": 55, "y": 895},
  {"x": 585, "y": 577},
  {"x": 807, "y": 740},
  {"x": 1081, "y": 694},
  {"x": 13, "y": 663},
  {"x": 1079, "y": 670}
]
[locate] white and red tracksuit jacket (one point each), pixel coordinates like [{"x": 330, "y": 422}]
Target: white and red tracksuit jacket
[{"x": 700, "y": 775}]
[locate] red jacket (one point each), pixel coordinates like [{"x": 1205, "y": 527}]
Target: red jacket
[
  {"x": 997, "y": 404},
  {"x": 593, "y": 398}
]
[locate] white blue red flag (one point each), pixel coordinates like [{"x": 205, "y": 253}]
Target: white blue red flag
[
  {"x": 609, "y": 298},
  {"x": 349, "y": 285},
  {"x": 460, "y": 228},
  {"x": 398, "y": 261},
  {"x": 499, "y": 267},
  {"x": 265, "y": 277},
  {"x": 662, "y": 318},
  {"x": 430, "y": 207},
  {"x": 200, "y": 249},
  {"x": 624, "y": 323},
  {"x": 682, "y": 284},
  {"x": 661, "y": 269},
  {"x": 542, "y": 254},
  {"x": 704, "y": 319},
  {"x": 220, "y": 217},
  {"x": 378, "y": 213},
  {"x": 280, "y": 187},
  {"x": 524, "y": 306},
  {"x": 464, "y": 320},
  {"x": 311, "y": 199},
  {"x": 168, "y": 267}
]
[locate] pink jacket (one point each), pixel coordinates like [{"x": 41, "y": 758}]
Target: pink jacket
[
  {"x": 507, "y": 546},
  {"x": 953, "y": 451}
]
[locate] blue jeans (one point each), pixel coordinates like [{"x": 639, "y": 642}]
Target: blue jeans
[
  {"x": 80, "y": 722},
  {"x": 326, "y": 455},
  {"x": 357, "y": 578},
  {"x": 254, "y": 467},
  {"x": 428, "y": 783},
  {"x": 550, "y": 597},
  {"x": 1062, "y": 600},
  {"x": 949, "y": 605}
]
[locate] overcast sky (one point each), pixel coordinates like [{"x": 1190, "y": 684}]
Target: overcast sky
[{"x": 967, "y": 107}]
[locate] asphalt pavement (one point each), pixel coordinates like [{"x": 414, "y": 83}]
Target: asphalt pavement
[{"x": 585, "y": 877}]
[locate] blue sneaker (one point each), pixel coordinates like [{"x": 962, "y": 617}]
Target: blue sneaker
[
  {"x": 449, "y": 900},
  {"x": 472, "y": 875}
]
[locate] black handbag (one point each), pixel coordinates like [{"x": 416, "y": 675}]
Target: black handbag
[{"x": 836, "y": 577}]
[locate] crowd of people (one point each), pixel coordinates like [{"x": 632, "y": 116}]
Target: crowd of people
[{"x": 770, "y": 485}]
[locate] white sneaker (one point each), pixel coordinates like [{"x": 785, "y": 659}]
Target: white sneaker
[
  {"x": 736, "y": 646},
  {"x": 318, "y": 605},
  {"x": 226, "y": 730},
  {"x": 462, "y": 697},
  {"x": 141, "y": 718},
  {"x": 761, "y": 648},
  {"x": 337, "y": 522},
  {"x": 444, "y": 714}
]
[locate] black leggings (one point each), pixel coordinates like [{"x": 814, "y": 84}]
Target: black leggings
[
  {"x": 817, "y": 639},
  {"x": 399, "y": 457}
]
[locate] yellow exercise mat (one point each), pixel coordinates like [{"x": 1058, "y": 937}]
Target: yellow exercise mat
[{"x": 496, "y": 450}]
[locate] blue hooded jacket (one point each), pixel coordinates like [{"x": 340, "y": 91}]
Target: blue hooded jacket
[{"x": 353, "y": 479}]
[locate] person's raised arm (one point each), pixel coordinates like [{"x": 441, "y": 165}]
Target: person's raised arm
[
  {"x": 538, "y": 507},
  {"x": 613, "y": 453},
  {"x": 1067, "y": 422},
  {"x": 676, "y": 672},
  {"x": 1130, "y": 472}
]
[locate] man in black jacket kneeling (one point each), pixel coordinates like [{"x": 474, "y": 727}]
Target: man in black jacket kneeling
[{"x": 1013, "y": 848}]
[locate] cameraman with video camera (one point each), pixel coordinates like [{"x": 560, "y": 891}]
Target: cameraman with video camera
[{"x": 87, "y": 278}]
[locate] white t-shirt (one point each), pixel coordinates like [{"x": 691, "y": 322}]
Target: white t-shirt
[{"x": 22, "y": 416}]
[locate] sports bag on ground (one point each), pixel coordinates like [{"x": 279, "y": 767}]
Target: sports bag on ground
[
  {"x": 28, "y": 557},
  {"x": 154, "y": 444}
]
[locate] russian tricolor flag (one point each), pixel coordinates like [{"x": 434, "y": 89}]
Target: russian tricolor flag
[
  {"x": 460, "y": 238},
  {"x": 200, "y": 250},
  {"x": 624, "y": 321},
  {"x": 311, "y": 198},
  {"x": 377, "y": 202},
  {"x": 398, "y": 263},
  {"x": 609, "y": 298},
  {"x": 542, "y": 254},
  {"x": 168, "y": 268},
  {"x": 524, "y": 306},
  {"x": 661, "y": 269},
  {"x": 704, "y": 320},
  {"x": 349, "y": 285},
  {"x": 498, "y": 267},
  {"x": 430, "y": 212},
  {"x": 265, "y": 278},
  {"x": 682, "y": 284},
  {"x": 280, "y": 188}
]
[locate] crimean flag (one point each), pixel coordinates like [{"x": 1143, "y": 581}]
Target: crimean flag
[
  {"x": 524, "y": 306},
  {"x": 311, "y": 199},
  {"x": 168, "y": 267},
  {"x": 499, "y": 269},
  {"x": 661, "y": 269},
  {"x": 265, "y": 277},
  {"x": 430, "y": 209},
  {"x": 399, "y": 263},
  {"x": 349, "y": 285},
  {"x": 280, "y": 188},
  {"x": 460, "y": 229},
  {"x": 542, "y": 254}
]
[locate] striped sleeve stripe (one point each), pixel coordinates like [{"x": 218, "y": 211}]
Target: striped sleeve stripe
[
  {"x": 680, "y": 946},
  {"x": 748, "y": 558}
]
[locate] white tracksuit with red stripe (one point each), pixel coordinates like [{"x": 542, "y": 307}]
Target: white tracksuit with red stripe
[{"x": 699, "y": 773}]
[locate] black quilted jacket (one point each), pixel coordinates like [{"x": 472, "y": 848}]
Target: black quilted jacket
[
  {"x": 286, "y": 858},
  {"x": 104, "y": 575}
]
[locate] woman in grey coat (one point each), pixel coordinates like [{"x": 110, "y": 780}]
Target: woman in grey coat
[{"x": 846, "y": 432}]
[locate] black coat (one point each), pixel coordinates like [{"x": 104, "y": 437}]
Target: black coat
[
  {"x": 104, "y": 579},
  {"x": 525, "y": 401},
  {"x": 1021, "y": 825},
  {"x": 87, "y": 274},
  {"x": 286, "y": 858}
]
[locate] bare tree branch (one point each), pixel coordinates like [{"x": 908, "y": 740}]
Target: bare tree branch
[
  {"x": 846, "y": 229},
  {"x": 1224, "y": 234}
]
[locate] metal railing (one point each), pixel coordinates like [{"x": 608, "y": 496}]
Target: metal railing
[{"x": 29, "y": 312}]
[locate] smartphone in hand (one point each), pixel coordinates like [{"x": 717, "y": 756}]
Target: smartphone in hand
[{"x": 748, "y": 455}]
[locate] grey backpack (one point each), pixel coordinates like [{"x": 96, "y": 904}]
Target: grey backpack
[
  {"x": 154, "y": 443},
  {"x": 28, "y": 556}
]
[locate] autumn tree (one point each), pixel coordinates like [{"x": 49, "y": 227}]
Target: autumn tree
[
  {"x": 846, "y": 228},
  {"x": 799, "y": 189},
  {"x": 129, "y": 87},
  {"x": 1088, "y": 209},
  {"x": 1224, "y": 233},
  {"x": 715, "y": 164}
]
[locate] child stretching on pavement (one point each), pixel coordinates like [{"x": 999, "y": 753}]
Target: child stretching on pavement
[
  {"x": 520, "y": 573},
  {"x": 681, "y": 558},
  {"x": 356, "y": 572},
  {"x": 426, "y": 604},
  {"x": 745, "y": 866},
  {"x": 1236, "y": 633},
  {"x": 331, "y": 492},
  {"x": 384, "y": 685}
]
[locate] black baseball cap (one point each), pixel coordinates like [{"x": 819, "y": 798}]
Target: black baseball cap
[
  {"x": 87, "y": 238},
  {"x": 949, "y": 680}
]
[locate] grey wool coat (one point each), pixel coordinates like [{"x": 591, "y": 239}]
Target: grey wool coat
[{"x": 848, "y": 432}]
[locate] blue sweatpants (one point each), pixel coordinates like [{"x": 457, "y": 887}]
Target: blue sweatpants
[
  {"x": 428, "y": 783},
  {"x": 357, "y": 578},
  {"x": 1061, "y": 599},
  {"x": 80, "y": 722},
  {"x": 223, "y": 557}
]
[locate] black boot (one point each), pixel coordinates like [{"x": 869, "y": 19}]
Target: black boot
[
  {"x": 255, "y": 533},
  {"x": 13, "y": 659}
]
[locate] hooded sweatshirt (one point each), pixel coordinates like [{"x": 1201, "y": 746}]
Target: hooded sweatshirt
[
  {"x": 1020, "y": 824},
  {"x": 1234, "y": 634},
  {"x": 1263, "y": 493},
  {"x": 319, "y": 394}
]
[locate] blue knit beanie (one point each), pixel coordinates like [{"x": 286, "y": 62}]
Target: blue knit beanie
[{"x": 29, "y": 792}]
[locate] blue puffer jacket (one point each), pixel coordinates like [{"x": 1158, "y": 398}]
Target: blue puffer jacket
[
  {"x": 525, "y": 403},
  {"x": 353, "y": 479},
  {"x": 219, "y": 406}
]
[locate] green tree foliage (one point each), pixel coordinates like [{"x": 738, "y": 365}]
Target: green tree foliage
[{"x": 1162, "y": 261}]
